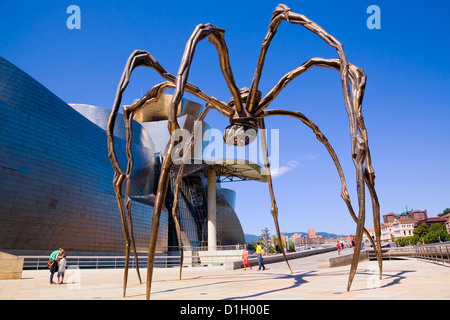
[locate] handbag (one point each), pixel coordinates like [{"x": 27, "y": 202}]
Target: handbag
[{"x": 50, "y": 263}]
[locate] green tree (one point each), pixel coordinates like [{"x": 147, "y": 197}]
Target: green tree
[
  {"x": 444, "y": 212},
  {"x": 283, "y": 245},
  {"x": 291, "y": 246},
  {"x": 424, "y": 233},
  {"x": 421, "y": 230},
  {"x": 437, "y": 233},
  {"x": 276, "y": 243}
]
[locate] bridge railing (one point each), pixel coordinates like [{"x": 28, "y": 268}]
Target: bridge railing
[{"x": 436, "y": 252}]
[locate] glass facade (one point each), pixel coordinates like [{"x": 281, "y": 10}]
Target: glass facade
[{"x": 193, "y": 211}]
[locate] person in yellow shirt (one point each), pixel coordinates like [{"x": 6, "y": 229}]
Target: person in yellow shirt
[{"x": 260, "y": 253}]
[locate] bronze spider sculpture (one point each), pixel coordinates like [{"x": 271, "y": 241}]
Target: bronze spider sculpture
[{"x": 246, "y": 110}]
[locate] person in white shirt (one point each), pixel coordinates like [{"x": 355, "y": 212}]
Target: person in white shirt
[{"x": 61, "y": 268}]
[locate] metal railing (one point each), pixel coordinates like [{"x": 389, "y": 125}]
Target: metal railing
[
  {"x": 40, "y": 262},
  {"x": 436, "y": 252},
  {"x": 205, "y": 248},
  {"x": 161, "y": 261}
]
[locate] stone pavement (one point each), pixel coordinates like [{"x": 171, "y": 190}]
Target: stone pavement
[{"x": 402, "y": 280}]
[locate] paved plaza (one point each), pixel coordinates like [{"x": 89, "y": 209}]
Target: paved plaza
[{"x": 402, "y": 280}]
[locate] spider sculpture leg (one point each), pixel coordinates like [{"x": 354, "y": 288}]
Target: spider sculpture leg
[
  {"x": 215, "y": 36},
  {"x": 150, "y": 97},
  {"x": 137, "y": 58},
  {"x": 129, "y": 112},
  {"x": 118, "y": 182},
  {"x": 143, "y": 58},
  {"x": 274, "y": 207},
  {"x": 188, "y": 147},
  {"x": 321, "y": 137},
  {"x": 284, "y": 13},
  {"x": 160, "y": 196},
  {"x": 129, "y": 136},
  {"x": 281, "y": 13},
  {"x": 175, "y": 205},
  {"x": 344, "y": 193},
  {"x": 358, "y": 80},
  {"x": 178, "y": 227}
]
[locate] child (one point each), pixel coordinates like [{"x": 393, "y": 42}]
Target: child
[
  {"x": 339, "y": 248},
  {"x": 61, "y": 268},
  {"x": 245, "y": 259}
]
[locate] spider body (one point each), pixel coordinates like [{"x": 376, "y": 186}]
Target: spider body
[
  {"x": 246, "y": 111},
  {"x": 244, "y": 126}
]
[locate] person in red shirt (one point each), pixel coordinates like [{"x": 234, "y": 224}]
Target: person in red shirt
[{"x": 245, "y": 259}]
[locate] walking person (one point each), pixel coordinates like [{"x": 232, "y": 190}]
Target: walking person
[
  {"x": 338, "y": 248},
  {"x": 260, "y": 252},
  {"x": 245, "y": 259}
]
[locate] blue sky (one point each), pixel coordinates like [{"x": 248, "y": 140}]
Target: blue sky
[{"x": 406, "y": 106}]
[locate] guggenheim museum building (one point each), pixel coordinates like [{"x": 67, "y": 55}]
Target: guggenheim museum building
[{"x": 56, "y": 186}]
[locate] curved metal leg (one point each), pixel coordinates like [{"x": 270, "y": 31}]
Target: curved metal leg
[
  {"x": 180, "y": 174},
  {"x": 137, "y": 58},
  {"x": 154, "y": 94},
  {"x": 216, "y": 37},
  {"x": 284, "y": 13},
  {"x": 376, "y": 218},
  {"x": 321, "y": 137},
  {"x": 358, "y": 131},
  {"x": 281, "y": 13},
  {"x": 118, "y": 183},
  {"x": 358, "y": 160},
  {"x": 160, "y": 196},
  {"x": 274, "y": 207},
  {"x": 129, "y": 134},
  {"x": 344, "y": 194},
  {"x": 178, "y": 231}
]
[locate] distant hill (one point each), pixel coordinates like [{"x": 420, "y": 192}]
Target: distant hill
[
  {"x": 254, "y": 238},
  {"x": 331, "y": 235},
  {"x": 251, "y": 238}
]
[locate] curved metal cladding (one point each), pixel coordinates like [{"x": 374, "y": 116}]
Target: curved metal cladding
[
  {"x": 143, "y": 148},
  {"x": 56, "y": 178},
  {"x": 229, "y": 229}
]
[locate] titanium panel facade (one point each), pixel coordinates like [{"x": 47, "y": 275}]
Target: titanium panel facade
[
  {"x": 230, "y": 231},
  {"x": 56, "y": 178}
]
